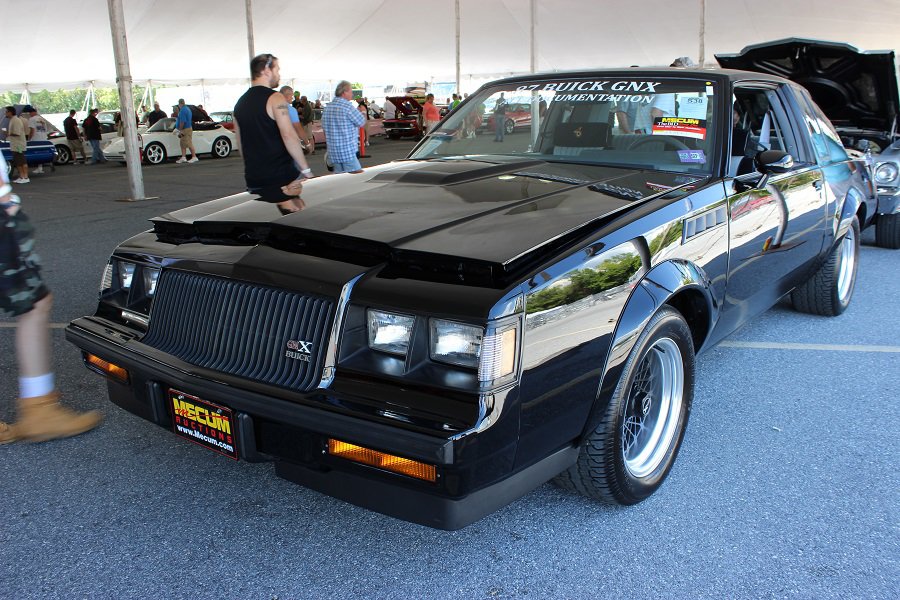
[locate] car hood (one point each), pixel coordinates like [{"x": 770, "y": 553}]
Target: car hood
[
  {"x": 856, "y": 90},
  {"x": 492, "y": 212},
  {"x": 406, "y": 106}
]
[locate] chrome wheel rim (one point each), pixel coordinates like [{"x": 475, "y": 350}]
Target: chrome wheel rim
[
  {"x": 847, "y": 267},
  {"x": 222, "y": 148},
  {"x": 64, "y": 155},
  {"x": 653, "y": 408},
  {"x": 154, "y": 154}
]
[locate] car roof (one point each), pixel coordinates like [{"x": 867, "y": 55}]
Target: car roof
[{"x": 718, "y": 74}]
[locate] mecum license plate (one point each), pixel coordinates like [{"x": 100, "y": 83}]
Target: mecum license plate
[{"x": 204, "y": 423}]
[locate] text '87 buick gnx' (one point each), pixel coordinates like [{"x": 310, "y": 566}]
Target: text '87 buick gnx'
[{"x": 435, "y": 337}]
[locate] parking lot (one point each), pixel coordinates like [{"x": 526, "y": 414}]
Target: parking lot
[{"x": 786, "y": 485}]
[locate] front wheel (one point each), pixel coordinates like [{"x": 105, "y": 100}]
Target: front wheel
[
  {"x": 63, "y": 155},
  {"x": 221, "y": 148},
  {"x": 829, "y": 290},
  {"x": 887, "y": 231},
  {"x": 509, "y": 126},
  {"x": 630, "y": 453},
  {"x": 155, "y": 153}
]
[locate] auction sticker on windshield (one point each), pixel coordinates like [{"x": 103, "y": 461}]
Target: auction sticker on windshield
[{"x": 203, "y": 423}]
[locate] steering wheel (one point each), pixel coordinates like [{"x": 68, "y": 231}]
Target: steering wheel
[{"x": 665, "y": 139}]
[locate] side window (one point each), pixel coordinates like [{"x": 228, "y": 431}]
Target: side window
[
  {"x": 832, "y": 148},
  {"x": 759, "y": 122}
]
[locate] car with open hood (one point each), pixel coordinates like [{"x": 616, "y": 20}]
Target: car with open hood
[
  {"x": 435, "y": 337},
  {"x": 406, "y": 118},
  {"x": 858, "y": 93}
]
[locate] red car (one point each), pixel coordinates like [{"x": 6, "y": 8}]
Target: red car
[
  {"x": 224, "y": 118},
  {"x": 518, "y": 114},
  {"x": 406, "y": 121}
]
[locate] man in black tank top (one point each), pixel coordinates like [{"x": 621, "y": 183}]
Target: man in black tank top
[{"x": 269, "y": 143}]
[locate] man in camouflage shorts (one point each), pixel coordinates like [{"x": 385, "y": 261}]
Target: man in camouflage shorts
[{"x": 23, "y": 295}]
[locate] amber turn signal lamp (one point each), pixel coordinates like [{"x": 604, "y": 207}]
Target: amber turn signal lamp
[
  {"x": 388, "y": 462},
  {"x": 95, "y": 363}
]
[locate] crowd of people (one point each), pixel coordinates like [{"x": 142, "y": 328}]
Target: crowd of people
[{"x": 345, "y": 121}]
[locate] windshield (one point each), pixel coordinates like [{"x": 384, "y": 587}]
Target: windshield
[
  {"x": 166, "y": 124},
  {"x": 641, "y": 122}
]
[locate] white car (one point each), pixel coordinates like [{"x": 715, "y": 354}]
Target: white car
[
  {"x": 159, "y": 142},
  {"x": 64, "y": 152}
]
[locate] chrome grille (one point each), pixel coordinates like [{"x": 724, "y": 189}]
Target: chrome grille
[{"x": 240, "y": 328}]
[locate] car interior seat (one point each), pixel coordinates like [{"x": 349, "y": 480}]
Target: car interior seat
[{"x": 573, "y": 138}]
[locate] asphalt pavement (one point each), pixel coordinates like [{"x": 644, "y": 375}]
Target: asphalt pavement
[{"x": 786, "y": 485}]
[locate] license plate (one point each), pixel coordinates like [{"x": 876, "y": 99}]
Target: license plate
[{"x": 204, "y": 423}]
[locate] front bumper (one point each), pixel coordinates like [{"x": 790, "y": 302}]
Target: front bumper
[{"x": 295, "y": 436}]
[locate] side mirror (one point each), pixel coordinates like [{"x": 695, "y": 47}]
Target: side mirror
[{"x": 773, "y": 161}]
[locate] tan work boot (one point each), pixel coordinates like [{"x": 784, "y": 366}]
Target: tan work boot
[
  {"x": 43, "y": 418},
  {"x": 7, "y": 433}
]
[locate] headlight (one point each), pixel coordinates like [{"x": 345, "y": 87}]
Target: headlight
[
  {"x": 455, "y": 343},
  {"x": 389, "y": 332},
  {"x": 151, "y": 276},
  {"x": 126, "y": 273},
  {"x": 886, "y": 172}
]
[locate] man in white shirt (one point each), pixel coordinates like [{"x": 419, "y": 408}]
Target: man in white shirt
[
  {"x": 390, "y": 111},
  {"x": 37, "y": 130}
]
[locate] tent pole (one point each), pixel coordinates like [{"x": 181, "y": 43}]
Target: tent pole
[
  {"x": 533, "y": 49},
  {"x": 457, "y": 46},
  {"x": 249, "y": 10},
  {"x": 126, "y": 98},
  {"x": 702, "y": 32}
]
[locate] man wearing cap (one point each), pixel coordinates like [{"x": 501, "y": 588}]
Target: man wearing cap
[
  {"x": 93, "y": 134},
  {"x": 16, "y": 135},
  {"x": 156, "y": 114},
  {"x": 185, "y": 127},
  {"x": 37, "y": 130}
]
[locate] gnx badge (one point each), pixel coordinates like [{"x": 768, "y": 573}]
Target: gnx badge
[{"x": 298, "y": 350}]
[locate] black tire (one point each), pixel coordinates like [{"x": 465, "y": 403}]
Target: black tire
[
  {"x": 829, "y": 290},
  {"x": 887, "y": 231},
  {"x": 221, "y": 148},
  {"x": 630, "y": 453},
  {"x": 63, "y": 155},
  {"x": 509, "y": 126},
  {"x": 155, "y": 153}
]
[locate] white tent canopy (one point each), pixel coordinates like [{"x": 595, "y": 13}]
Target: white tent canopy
[{"x": 204, "y": 42}]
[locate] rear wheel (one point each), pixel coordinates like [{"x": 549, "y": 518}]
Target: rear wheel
[
  {"x": 829, "y": 290},
  {"x": 630, "y": 453},
  {"x": 887, "y": 231},
  {"x": 509, "y": 126},
  {"x": 155, "y": 153},
  {"x": 221, "y": 148},
  {"x": 63, "y": 155}
]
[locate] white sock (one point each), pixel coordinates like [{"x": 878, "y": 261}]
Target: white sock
[{"x": 32, "y": 387}]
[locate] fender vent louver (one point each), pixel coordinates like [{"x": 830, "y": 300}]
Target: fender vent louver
[{"x": 704, "y": 222}]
